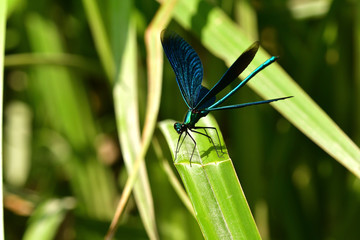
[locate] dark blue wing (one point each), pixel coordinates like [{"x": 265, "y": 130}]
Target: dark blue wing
[
  {"x": 208, "y": 103},
  {"x": 186, "y": 65},
  {"x": 232, "y": 73}
]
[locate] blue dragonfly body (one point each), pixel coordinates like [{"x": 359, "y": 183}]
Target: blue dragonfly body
[{"x": 200, "y": 100}]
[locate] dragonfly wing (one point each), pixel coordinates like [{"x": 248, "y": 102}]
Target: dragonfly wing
[
  {"x": 186, "y": 65},
  {"x": 232, "y": 73},
  {"x": 209, "y": 102},
  {"x": 246, "y": 104}
]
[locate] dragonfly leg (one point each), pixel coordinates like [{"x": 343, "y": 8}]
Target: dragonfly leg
[
  {"x": 179, "y": 146},
  {"x": 210, "y": 139},
  {"x": 206, "y": 133},
  {"x": 217, "y": 134},
  {"x": 192, "y": 154}
]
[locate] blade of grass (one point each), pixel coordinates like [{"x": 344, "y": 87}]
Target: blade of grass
[
  {"x": 126, "y": 104},
  {"x": 357, "y": 72},
  {"x": 123, "y": 37},
  {"x": 2, "y": 54},
  {"x": 212, "y": 185},
  {"x": 172, "y": 178},
  {"x": 46, "y": 220},
  {"x": 161, "y": 19},
  {"x": 127, "y": 114},
  {"x": 71, "y": 60},
  {"x": 155, "y": 67},
  {"x": 246, "y": 18},
  {"x": 224, "y": 39},
  {"x": 126, "y": 108},
  {"x": 100, "y": 37}
]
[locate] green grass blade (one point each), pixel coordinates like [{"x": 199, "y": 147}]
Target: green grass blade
[
  {"x": 357, "y": 72},
  {"x": 46, "y": 220},
  {"x": 65, "y": 59},
  {"x": 226, "y": 40},
  {"x": 2, "y": 54},
  {"x": 155, "y": 68},
  {"x": 127, "y": 114},
  {"x": 100, "y": 37},
  {"x": 213, "y": 187},
  {"x": 154, "y": 62},
  {"x": 123, "y": 39},
  {"x": 246, "y": 17},
  {"x": 175, "y": 183}
]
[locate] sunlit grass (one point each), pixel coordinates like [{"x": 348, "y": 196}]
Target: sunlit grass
[{"x": 75, "y": 132}]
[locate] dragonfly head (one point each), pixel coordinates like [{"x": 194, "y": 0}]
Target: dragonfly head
[{"x": 179, "y": 127}]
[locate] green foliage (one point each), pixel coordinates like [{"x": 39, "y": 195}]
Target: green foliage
[
  {"x": 210, "y": 180},
  {"x": 66, "y": 141}
]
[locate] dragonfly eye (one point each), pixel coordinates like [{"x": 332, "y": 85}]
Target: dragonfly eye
[{"x": 178, "y": 127}]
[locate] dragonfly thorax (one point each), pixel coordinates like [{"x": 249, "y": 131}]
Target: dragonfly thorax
[{"x": 191, "y": 118}]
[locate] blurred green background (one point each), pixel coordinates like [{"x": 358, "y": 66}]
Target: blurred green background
[{"x": 63, "y": 165}]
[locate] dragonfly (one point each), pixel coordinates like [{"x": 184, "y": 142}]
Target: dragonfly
[{"x": 188, "y": 71}]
